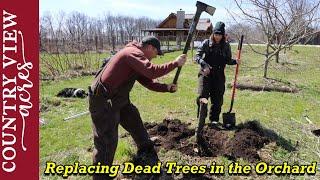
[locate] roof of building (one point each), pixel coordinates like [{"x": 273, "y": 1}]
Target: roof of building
[
  {"x": 165, "y": 29},
  {"x": 188, "y": 16},
  {"x": 204, "y": 24}
]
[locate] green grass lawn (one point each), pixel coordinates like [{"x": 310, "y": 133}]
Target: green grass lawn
[{"x": 65, "y": 142}]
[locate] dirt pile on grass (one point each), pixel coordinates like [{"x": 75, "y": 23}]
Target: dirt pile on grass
[
  {"x": 242, "y": 142},
  {"x": 248, "y": 139},
  {"x": 169, "y": 134}
]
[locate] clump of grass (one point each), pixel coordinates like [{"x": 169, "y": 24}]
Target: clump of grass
[{"x": 49, "y": 102}]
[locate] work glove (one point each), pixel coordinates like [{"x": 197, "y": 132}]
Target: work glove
[
  {"x": 206, "y": 68},
  {"x": 236, "y": 61},
  {"x": 172, "y": 88},
  {"x": 181, "y": 60}
]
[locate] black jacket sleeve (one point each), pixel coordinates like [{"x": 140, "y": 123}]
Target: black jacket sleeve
[
  {"x": 201, "y": 51},
  {"x": 230, "y": 61}
]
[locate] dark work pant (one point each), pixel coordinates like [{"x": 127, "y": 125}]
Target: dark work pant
[
  {"x": 106, "y": 116},
  {"x": 213, "y": 87}
]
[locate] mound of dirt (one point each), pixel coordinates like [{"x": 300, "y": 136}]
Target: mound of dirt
[
  {"x": 276, "y": 88},
  {"x": 169, "y": 134},
  {"x": 248, "y": 139},
  {"x": 243, "y": 142}
]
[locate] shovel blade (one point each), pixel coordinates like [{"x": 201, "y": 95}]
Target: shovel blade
[{"x": 229, "y": 120}]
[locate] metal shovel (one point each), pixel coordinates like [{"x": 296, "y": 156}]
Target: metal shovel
[{"x": 229, "y": 118}]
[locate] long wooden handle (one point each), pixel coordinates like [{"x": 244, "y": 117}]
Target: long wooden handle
[
  {"x": 189, "y": 38},
  {"x": 236, "y": 73}
]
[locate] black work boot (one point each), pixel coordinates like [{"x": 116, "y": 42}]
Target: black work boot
[
  {"x": 147, "y": 155},
  {"x": 213, "y": 116}
]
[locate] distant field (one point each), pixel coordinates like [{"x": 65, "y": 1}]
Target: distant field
[{"x": 284, "y": 113}]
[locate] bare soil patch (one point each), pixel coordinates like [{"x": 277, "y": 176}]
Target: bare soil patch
[{"x": 242, "y": 142}]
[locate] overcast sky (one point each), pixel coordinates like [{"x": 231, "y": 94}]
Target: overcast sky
[{"x": 155, "y": 9}]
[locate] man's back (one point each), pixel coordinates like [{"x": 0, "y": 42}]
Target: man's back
[
  {"x": 131, "y": 61},
  {"x": 117, "y": 71}
]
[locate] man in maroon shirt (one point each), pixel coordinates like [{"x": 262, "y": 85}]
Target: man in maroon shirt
[{"x": 109, "y": 102}]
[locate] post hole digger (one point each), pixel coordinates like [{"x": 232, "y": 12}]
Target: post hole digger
[
  {"x": 200, "y": 8},
  {"x": 229, "y": 118}
]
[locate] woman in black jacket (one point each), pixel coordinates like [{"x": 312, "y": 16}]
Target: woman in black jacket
[{"x": 213, "y": 55}]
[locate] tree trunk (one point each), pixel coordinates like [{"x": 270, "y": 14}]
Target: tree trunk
[
  {"x": 79, "y": 45},
  {"x": 113, "y": 44},
  {"x": 266, "y": 62},
  {"x": 96, "y": 43},
  {"x": 102, "y": 41},
  {"x": 64, "y": 45},
  {"x": 277, "y": 57}
]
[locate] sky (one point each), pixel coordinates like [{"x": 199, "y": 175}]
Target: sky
[{"x": 155, "y": 9}]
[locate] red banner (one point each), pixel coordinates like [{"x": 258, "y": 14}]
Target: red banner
[{"x": 20, "y": 89}]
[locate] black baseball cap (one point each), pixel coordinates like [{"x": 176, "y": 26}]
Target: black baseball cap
[{"x": 152, "y": 40}]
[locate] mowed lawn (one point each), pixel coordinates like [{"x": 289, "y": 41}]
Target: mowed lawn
[{"x": 65, "y": 142}]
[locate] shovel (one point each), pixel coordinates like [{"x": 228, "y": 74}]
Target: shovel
[{"x": 229, "y": 118}]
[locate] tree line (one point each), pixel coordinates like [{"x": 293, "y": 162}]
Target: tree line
[{"x": 78, "y": 33}]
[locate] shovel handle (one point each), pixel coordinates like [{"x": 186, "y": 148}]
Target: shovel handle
[{"x": 236, "y": 73}]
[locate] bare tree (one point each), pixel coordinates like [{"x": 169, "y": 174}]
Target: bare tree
[
  {"x": 282, "y": 22},
  {"x": 67, "y": 40},
  {"x": 110, "y": 23},
  {"x": 47, "y": 28},
  {"x": 120, "y": 29},
  {"x": 238, "y": 29},
  {"x": 49, "y": 38},
  {"x": 99, "y": 35},
  {"x": 130, "y": 27},
  {"x": 78, "y": 33},
  {"x": 77, "y": 29},
  {"x": 43, "y": 34}
]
